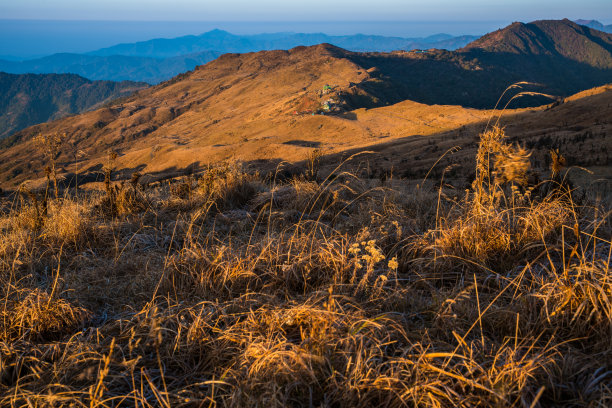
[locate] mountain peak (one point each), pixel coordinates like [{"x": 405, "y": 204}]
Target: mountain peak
[
  {"x": 323, "y": 49},
  {"x": 263, "y": 61},
  {"x": 517, "y": 38},
  {"x": 216, "y": 33},
  {"x": 595, "y": 25},
  {"x": 554, "y": 38},
  {"x": 591, "y": 23}
]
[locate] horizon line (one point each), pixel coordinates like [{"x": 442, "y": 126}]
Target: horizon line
[{"x": 604, "y": 21}]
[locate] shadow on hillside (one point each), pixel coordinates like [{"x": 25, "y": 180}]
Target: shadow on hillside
[
  {"x": 95, "y": 174},
  {"x": 473, "y": 79},
  {"x": 303, "y": 143},
  {"x": 450, "y": 153},
  {"x": 348, "y": 115}
]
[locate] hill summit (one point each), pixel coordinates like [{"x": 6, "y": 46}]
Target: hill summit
[{"x": 553, "y": 38}]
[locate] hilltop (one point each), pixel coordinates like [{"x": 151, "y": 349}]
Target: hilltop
[
  {"x": 552, "y": 38},
  {"x": 29, "y": 99}
]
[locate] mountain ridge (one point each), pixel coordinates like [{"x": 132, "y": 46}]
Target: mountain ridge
[
  {"x": 177, "y": 55},
  {"x": 224, "y": 41}
]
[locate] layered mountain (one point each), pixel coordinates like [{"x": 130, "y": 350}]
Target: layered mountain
[
  {"x": 29, "y": 99},
  {"x": 114, "y": 67},
  {"x": 280, "y": 104},
  {"x": 225, "y": 42},
  {"x": 158, "y": 60},
  {"x": 596, "y": 25}
]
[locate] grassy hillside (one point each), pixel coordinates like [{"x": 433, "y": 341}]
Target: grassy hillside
[
  {"x": 296, "y": 229},
  {"x": 259, "y": 106},
  {"x": 336, "y": 288},
  {"x": 29, "y": 99}
]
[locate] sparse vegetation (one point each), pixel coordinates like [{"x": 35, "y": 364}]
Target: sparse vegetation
[
  {"x": 313, "y": 163},
  {"x": 230, "y": 288},
  {"x": 51, "y": 145},
  {"x": 121, "y": 198}
]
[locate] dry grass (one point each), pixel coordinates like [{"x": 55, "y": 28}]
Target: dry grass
[{"x": 232, "y": 289}]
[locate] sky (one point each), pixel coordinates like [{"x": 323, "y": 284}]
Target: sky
[{"x": 312, "y": 10}]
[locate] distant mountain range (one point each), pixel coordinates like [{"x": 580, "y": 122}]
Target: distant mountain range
[
  {"x": 224, "y": 42},
  {"x": 596, "y": 25},
  {"x": 113, "y": 68},
  {"x": 29, "y": 99},
  {"x": 158, "y": 60}
]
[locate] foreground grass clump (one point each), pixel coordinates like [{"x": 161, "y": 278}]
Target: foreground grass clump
[{"x": 234, "y": 289}]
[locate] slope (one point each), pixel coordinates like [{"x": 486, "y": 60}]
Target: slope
[
  {"x": 561, "y": 56},
  {"x": 240, "y": 105},
  {"x": 553, "y": 38},
  {"x": 263, "y": 106},
  {"x": 29, "y": 99}
]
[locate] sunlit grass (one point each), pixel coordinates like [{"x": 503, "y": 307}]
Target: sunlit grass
[{"x": 235, "y": 289}]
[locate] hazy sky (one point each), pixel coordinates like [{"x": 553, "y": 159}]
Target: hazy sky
[{"x": 249, "y": 10}]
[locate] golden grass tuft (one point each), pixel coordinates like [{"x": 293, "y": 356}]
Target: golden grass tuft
[
  {"x": 579, "y": 299},
  {"x": 40, "y": 316},
  {"x": 229, "y": 186}
]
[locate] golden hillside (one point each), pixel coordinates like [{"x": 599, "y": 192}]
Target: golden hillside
[{"x": 259, "y": 107}]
